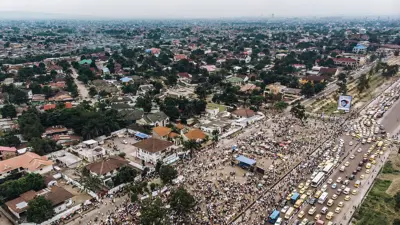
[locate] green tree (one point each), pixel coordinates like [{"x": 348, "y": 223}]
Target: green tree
[
  {"x": 363, "y": 83},
  {"x": 181, "y": 201},
  {"x": 8, "y": 111},
  {"x": 308, "y": 89},
  {"x": 299, "y": 112},
  {"x": 125, "y": 174},
  {"x": 397, "y": 200},
  {"x": 167, "y": 174},
  {"x": 89, "y": 181},
  {"x": 145, "y": 103},
  {"x": 92, "y": 91},
  {"x": 191, "y": 145},
  {"x": 39, "y": 210},
  {"x": 152, "y": 212},
  {"x": 43, "y": 146},
  {"x": 158, "y": 166},
  {"x": 281, "y": 105}
]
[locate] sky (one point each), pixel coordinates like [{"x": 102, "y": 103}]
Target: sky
[{"x": 124, "y": 9}]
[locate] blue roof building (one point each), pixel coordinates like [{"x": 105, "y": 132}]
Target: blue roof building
[
  {"x": 359, "y": 48},
  {"x": 244, "y": 161},
  {"x": 125, "y": 79}
]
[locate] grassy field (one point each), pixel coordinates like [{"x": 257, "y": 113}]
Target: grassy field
[{"x": 379, "y": 206}]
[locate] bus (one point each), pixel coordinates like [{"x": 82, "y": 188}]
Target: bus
[
  {"x": 317, "y": 179},
  {"x": 273, "y": 217},
  {"x": 294, "y": 198},
  {"x": 323, "y": 198},
  {"x": 289, "y": 213},
  {"x": 328, "y": 168}
]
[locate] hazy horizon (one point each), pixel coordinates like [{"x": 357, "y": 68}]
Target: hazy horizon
[{"x": 213, "y": 9}]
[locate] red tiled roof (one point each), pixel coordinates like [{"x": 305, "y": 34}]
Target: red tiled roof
[
  {"x": 49, "y": 106},
  {"x": 344, "y": 60},
  {"x": 7, "y": 149}
]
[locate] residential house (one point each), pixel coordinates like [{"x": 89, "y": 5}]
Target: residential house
[
  {"x": 194, "y": 135},
  {"x": 61, "y": 97},
  {"x": 275, "y": 88},
  {"x": 328, "y": 72},
  {"x": 105, "y": 169},
  {"x": 345, "y": 62},
  {"x": 179, "y": 57},
  {"x": 50, "y": 131},
  {"x": 60, "y": 198},
  {"x": 29, "y": 162},
  {"x": 360, "y": 49},
  {"x": 236, "y": 81},
  {"x": 312, "y": 79},
  {"x": 144, "y": 88},
  {"x": 243, "y": 113},
  {"x": 153, "y": 149},
  {"x": 7, "y": 152},
  {"x": 249, "y": 88},
  {"x": 161, "y": 132},
  {"x": 154, "y": 119}
]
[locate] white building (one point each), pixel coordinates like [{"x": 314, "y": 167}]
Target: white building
[{"x": 152, "y": 149}]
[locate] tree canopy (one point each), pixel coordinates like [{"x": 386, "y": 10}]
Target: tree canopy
[
  {"x": 39, "y": 210},
  {"x": 167, "y": 174},
  {"x": 181, "y": 201}
]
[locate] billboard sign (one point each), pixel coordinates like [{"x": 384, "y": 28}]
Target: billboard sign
[{"x": 344, "y": 103}]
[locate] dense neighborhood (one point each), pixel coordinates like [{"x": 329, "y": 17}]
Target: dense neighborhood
[{"x": 179, "y": 122}]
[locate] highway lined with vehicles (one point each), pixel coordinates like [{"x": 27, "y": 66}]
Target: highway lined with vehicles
[{"x": 345, "y": 167}]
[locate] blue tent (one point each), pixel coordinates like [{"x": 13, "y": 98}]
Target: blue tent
[
  {"x": 141, "y": 135},
  {"x": 244, "y": 160}
]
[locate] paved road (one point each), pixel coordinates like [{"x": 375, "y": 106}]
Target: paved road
[
  {"x": 391, "y": 124},
  {"x": 83, "y": 92}
]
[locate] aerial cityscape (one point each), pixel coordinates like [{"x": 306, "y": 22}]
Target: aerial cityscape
[{"x": 145, "y": 113}]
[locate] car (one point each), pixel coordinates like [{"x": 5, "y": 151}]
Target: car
[
  {"x": 334, "y": 185},
  {"x": 367, "y": 171},
  {"x": 362, "y": 176},
  {"x": 301, "y": 214},
  {"x": 278, "y": 221},
  {"x": 324, "y": 210},
  {"x": 340, "y": 204},
  {"x": 324, "y": 187},
  {"x": 337, "y": 210},
  {"x": 354, "y": 172},
  {"x": 347, "y": 198},
  {"x": 329, "y": 181},
  {"x": 339, "y": 179},
  {"x": 358, "y": 169},
  {"x": 334, "y": 196},
  {"x": 312, "y": 210},
  {"x": 317, "y": 217},
  {"x": 352, "y": 156},
  {"x": 285, "y": 209},
  {"x": 350, "y": 143},
  {"x": 352, "y": 177},
  {"x": 343, "y": 187},
  {"x": 373, "y": 162},
  {"x": 354, "y": 192},
  {"x": 338, "y": 191},
  {"x": 368, "y": 166},
  {"x": 329, "y": 216},
  {"x": 347, "y": 163},
  {"x": 330, "y": 202},
  {"x": 360, "y": 163},
  {"x": 365, "y": 160},
  {"x": 304, "y": 222},
  {"x": 302, "y": 190},
  {"x": 359, "y": 150},
  {"x": 301, "y": 185},
  {"x": 311, "y": 201},
  {"x": 346, "y": 182}
]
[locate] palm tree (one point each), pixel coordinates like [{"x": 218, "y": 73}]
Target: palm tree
[
  {"x": 191, "y": 145},
  {"x": 89, "y": 181}
]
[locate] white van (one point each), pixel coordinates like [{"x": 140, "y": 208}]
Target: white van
[{"x": 346, "y": 191}]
